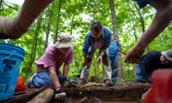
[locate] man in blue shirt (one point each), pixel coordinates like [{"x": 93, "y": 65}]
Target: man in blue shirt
[
  {"x": 98, "y": 37},
  {"x": 113, "y": 58}
]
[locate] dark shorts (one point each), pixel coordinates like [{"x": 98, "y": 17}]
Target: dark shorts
[{"x": 143, "y": 3}]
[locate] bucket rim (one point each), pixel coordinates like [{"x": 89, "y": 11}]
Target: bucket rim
[{"x": 12, "y": 45}]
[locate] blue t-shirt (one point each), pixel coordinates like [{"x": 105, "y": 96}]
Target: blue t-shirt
[
  {"x": 105, "y": 36},
  {"x": 113, "y": 48},
  {"x": 143, "y": 3}
]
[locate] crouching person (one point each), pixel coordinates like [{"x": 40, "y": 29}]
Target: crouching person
[
  {"x": 47, "y": 67},
  {"x": 153, "y": 61},
  {"x": 98, "y": 37}
]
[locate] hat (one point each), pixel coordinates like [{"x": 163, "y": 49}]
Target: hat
[
  {"x": 167, "y": 54},
  {"x": 64, "y": 41},
  {"x": 143, "y": 3}
]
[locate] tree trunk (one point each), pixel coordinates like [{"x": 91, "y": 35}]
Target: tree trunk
[
  {"x": 58, "y": 20},
  {"x": 48, "y": 29},
  {"x": 32, "y": 58},
  {"x": 135, "y": 36},
  {"x": 116, "y": 37},
  {"x": 71, "y": 31},
  {"x": 47, "y": 35},
  {"x": 43, "y": 97},
  {"x": 141, "y": 20},
  {"x": 114, "y": 23},
  {"x": 1, "y": 2}
]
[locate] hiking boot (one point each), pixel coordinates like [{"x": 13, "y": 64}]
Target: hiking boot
[
  {"x": 108, "y": 82},
  {"x": 60, "y": 94}
]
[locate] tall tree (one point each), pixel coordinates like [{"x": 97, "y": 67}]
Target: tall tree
[
  {"x": 50, "y": 13},
  {"x": 58, "y": 19},
  {"x": 34, "y": 48},
  {"x": 1, "y": 2},
  {"x": 116, "y": 37}
]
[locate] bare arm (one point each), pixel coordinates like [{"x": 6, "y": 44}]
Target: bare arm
[
  {"x": 159, "y": 23},
  {"x": 30, "y": 10},
  {"x": 65, "y": 70},
  {"x": 54, "y": 78}
]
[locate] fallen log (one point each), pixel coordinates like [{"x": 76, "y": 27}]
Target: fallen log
[
  {"x": 43, "y": 97},
  {"x": 23, "y": 98}
]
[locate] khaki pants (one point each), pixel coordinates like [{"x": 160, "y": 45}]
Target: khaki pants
[{"x": 106, "y": 68}]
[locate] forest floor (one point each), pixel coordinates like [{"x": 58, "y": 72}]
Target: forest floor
[
  {"x": 92, "y": 93},
  {"x": 119, "y": 93}
]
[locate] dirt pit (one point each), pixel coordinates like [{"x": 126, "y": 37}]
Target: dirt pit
[{"x": 119, "y": 93}]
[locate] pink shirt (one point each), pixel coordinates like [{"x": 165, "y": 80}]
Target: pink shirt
[{"x": 53, "y": 57}]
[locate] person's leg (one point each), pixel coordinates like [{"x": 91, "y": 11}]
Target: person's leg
[
  {"x": 61, "y": 77},
  {"x": 85, "y": 70},
  {"x": 29, "y": 82},
  {"x": 107, "y": 72},
  {"x": 148, "y": 72},
  {"x": 140, "y": 73},
  {"x": 12, "y": 29},
  {"x": 41, "y": 79},
  {"x": 113, "y": 65}
]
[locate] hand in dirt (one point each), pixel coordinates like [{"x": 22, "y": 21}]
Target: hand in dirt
[
  {"x": 99, "y": 60},
  {"x": 133, "y": 55},
  {"x": 86, "y": 59},
  {"x": 67, "y": 84}
]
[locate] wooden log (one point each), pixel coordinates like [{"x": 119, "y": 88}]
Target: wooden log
[
  {"x": 43, "y": 97},
  {"x": 23, "y": 98},
  {"x": 83, "y": 100}
]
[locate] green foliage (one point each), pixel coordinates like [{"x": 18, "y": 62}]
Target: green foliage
[{"x": 70, "y": 20}]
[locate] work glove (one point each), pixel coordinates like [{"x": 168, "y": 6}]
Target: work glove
[{"x": 60, "y": 94}]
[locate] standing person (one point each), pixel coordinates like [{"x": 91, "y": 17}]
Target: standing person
[
  {"x": 47, "y": 67},
  {"x": 98, "y": 37},
  {"x": 113, "y": 50},
  {"x": 159, "y": 23}
]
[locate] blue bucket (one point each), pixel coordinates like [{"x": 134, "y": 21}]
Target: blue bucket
[{"x": 10, "y": 60}]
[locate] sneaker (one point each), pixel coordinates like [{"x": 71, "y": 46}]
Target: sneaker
[
  {"x": 108, "y": 82},
  {"x": 60, "y": 94}
]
